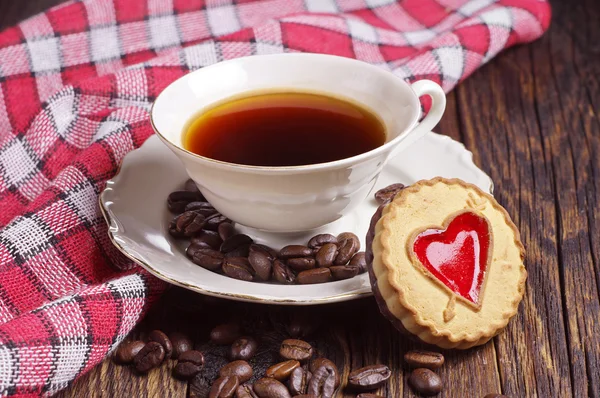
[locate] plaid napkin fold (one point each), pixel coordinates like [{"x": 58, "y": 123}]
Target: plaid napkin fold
[{"x": 76, "y": 84}]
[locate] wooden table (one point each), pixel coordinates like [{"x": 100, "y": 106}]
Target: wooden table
[{"x": 531, "y": 118}]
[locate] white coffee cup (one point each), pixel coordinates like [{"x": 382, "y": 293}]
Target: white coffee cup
[{"x": 297, "y": 198}]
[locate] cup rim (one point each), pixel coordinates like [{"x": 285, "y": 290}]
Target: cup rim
[{"x": 308, "y": 167}]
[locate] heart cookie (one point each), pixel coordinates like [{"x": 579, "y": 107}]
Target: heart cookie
[{"x": 446, "y": 263}]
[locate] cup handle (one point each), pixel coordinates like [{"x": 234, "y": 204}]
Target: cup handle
[{"x": 438, "y": 106}]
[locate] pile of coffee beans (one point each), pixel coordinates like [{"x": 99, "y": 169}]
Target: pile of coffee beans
[
  {"x": 298, "y": 374},
  {"x": 215, "y": 245}
]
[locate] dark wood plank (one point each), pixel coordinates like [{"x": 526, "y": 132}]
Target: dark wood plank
[{"x": 11, "y": 12}]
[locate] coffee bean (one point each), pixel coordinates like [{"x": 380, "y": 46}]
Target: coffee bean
[
  {"x": 243, "y": 348},
  {"x": 424, "y": 359},
  {"x": 268, "y": 387},
  {"x": 298, "y": 382},
  {"x": 224, "y": 387},
  {"x": 173, "y": 231},
  {"x": 305, "y": 396},
  {"x": 301, "y": 264},
  {"x": 235, "y": 241},
  {"x": 387, "y": 194},
  {"x": 245, "y": 391},
  {"x": 282, "y": 273},
  {"x": 348, "y": 246},
  {"x": 322, "y": 382},
  {"x": 210, "y": 239},
  {"x": 292, "y": 251},
  {"x": 160, "y": 337},
  {"x": 495, "y": 396},
  {"x": 240, "y": 369},
  {"x": 271, "y": 253},
  {"x": 368, "y": 395},
  {"x": 181, "y": 343},
  {"x": 189, "y": 223},
  {"x": 226, "y": 230},
  {"x": 127, "y": 351},
  {"x": 425, "y": 382},
  {"x": 213, "y": 222},
  {"x": 326, "y": 255},
  {"x": 191, "y": 186},
  {"x": 369, "y": 378},
  {"x": 238, "y": 268},
  {"x": 176, "y": 201},
  {"x": 241, "y": 251},
  {"x": 316, "y": 275},
  {"x": 225, "y": 333},
  {"x": 204, "y": 208},
  {"x": 340, "y": 272},
  {"x": 301, "y": 324},
  {"x": 207, "y": 258},
  {"x": 282, "y": 370},
  {"x": 149, "y": 357},
  {"x": 360, "y": 262},
  {"x": 190, "y": 363},
  {"x": 299, "y": 350},
  {"x": 317, "y": 363},
  {"x": 261, "y": 264},
  {"x": 318, "y": 241}
]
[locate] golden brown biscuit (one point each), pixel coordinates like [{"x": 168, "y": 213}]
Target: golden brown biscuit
[{"x": 446, "y": 263}]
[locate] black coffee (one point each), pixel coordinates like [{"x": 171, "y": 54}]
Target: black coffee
[{"x": 284, "y": 129}]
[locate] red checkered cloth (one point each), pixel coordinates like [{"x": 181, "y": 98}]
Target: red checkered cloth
[{"x": 76, "y": 84}]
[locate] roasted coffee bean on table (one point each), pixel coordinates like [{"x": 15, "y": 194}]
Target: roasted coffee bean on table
[
  {"x": 243, "y": 348},
  {"x": 424, "y": 359},
  {"x": 298, "y": 350},
  {"x": 425, "y": 382},
  {"x": 225, "y": 334},
  {"x": 322, "y": 382},
  {"x": 316, "y": 275},
  {"x": 268, "y": 387},
  {"x": 282, "y": 370},
  {"x": 160, "y": 337},
  {"x": 369, "y": 378},
  {"x": 245, "y": 391},
  {"x": 241, "y": 369},
  {"x": 224, "y": 387},
  {"x": 190, "y": 363},
  {"x": 181, "y": 343},
  {"x": 326, "y": 254},
  {"x": 149, "y": 357},
  {"x": 127, "y": 351},
  {"x": 319, "y": 362},
  {"x": 298, "y": 381}
]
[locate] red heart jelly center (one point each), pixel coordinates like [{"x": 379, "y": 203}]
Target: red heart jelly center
[{"x": 458, "y": 255}]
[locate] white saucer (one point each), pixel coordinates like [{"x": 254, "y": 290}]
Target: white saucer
[{"x": 134, "y": 205}]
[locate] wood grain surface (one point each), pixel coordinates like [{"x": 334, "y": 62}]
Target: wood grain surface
[{"x": 531, "y": 119}]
